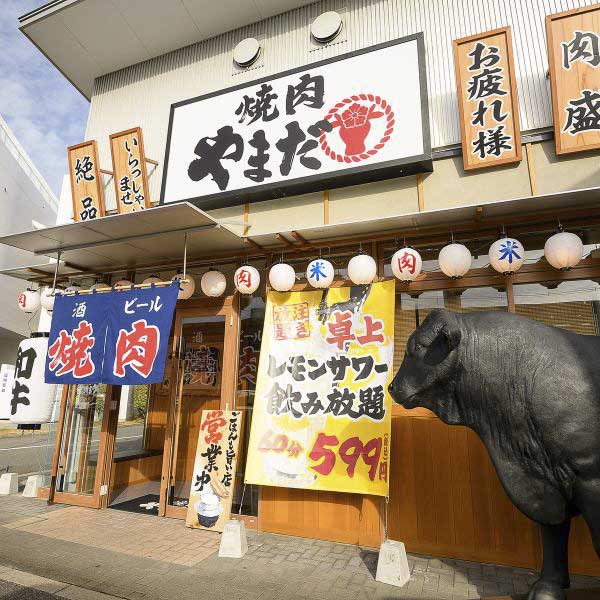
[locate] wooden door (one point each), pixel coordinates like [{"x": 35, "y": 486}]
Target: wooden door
[{"x": 204, "y": 361}]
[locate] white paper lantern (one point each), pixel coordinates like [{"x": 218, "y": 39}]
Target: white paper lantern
[
  {"x": 455, "y": 260},
  {"x": 362, "y": 269},
  {"x": 48, "y": 298},
  {"x": 506, "y": 255},
  {"x": 406, "y": 264},
  {"x": 563, "y": 250},
  {"x": 29, "y": 383},
  {"x": 72, "y": 288},
  {"x": 152, "y": 279},
  {"x": 187, "y": 287},
  {"x": 282, "y": 277},
  {"x": 213, "y": 283},
  {"x": 320, "y": 273},
  {"x": 246, "y": 279},
  {"x": 29, "y": 301},
  {"x": 100, "y": 285},
  {"x": 123, "y": 282}
]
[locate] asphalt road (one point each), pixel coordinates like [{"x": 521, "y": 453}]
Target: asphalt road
[{"x": 33, "y": 453}]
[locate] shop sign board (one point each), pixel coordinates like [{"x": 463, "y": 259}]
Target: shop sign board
[
  {"x": 118, "y": 337},
  {"x": 129, "y": 168},
  {"x": 86, "y": 184},
  {"x": 487, "y": 98},
  {"x": 574, "y": 57},
  {"x": 213, "y": 480},
  {"x": 322, "y": 412},
  {"x": 357, "y": 117}
]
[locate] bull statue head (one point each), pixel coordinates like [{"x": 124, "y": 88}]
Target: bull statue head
[{"x": 431, "y": 366}]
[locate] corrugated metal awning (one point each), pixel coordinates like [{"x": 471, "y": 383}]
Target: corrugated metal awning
[{"x": 155, "y": 235}]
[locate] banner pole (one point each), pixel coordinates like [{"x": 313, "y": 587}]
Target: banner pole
[
  {"x": 185, "y": 235},
  {"x": 56, "y": 272}
]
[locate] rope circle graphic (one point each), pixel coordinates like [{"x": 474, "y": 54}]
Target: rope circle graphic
[{"x": 389, "y": 128}]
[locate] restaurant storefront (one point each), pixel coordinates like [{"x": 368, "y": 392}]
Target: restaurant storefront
[{"x": 426, "y": 192}]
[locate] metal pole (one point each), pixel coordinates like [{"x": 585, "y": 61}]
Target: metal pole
[
  {"x": 56, "y": 271},
  {"x": 184, "y": 254}
]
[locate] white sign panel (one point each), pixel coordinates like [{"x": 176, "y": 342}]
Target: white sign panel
[
  {"x": 353, "y": 118},
  {"x": 7, "y": 375}
]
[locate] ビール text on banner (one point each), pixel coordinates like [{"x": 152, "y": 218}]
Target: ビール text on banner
[
  {"x": 77, "y": 336},
  {"x": 138, "y": 335},
  {"x": 322, "y": 413},
  {"x": 213, "y": 480}
]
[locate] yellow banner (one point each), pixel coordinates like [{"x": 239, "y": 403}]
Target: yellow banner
[{"x": 322, "y": 412}]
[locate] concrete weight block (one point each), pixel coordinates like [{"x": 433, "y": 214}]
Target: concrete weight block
[
  {"x": 234, "y": 543},
  {"x": 392, "y": 566}
]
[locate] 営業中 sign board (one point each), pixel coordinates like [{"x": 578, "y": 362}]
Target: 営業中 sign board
[
  {"x": 213, "y": 480},
  {"x": 353, "y": 118},
  {"x": 129, "y": 168},
  {"x": 322, "y": 412},
  {"x": 487, "y": 98},
  {"x": 86, "y": 185},
  {"x": 574, "y": 57}
]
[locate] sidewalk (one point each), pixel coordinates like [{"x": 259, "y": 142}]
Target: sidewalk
[{"x": 138, "y": 557}]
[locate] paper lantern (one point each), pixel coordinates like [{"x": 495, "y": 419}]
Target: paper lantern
[
  {"x": 100, "y": 285},
  {"x": 29, "y": 300},
  {"x": 506, "y": 255},
  {"x": 48, "y": 298},
  {"x": 152, "y": 279},
  {"x": 406, "y": 264},
  {"x": 32, "y": 399},
  {"x": 320, "y": 273},
  {"x": 213, "y": 283},
  {"x": 246, "y": 279},
  {"x": 282, "y": 277},
  {"x": 563, "y": 250},
  {"x": 455, "y": 260},
  {"x": 123, "y": 283},
  {"x": 72, "y": 288},
  {"x": 187, "y": 287},
  {"x": 362, "y": 269}
]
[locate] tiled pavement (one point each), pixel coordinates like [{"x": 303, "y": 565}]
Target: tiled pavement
[{"x": 144, "y": 557}]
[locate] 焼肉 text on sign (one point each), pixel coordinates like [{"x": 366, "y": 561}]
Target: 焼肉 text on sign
[
  {"x": 322, "y": 413},
  {"x": 354, "y": 118}
]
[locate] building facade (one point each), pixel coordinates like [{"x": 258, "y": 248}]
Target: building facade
[{"x": 445, "y": 498}]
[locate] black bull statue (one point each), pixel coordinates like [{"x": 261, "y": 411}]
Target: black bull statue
[{"x": 532, "y": 394}]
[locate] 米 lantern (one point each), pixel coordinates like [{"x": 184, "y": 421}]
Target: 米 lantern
[
  {"x": 152, "y": 279},
  {"x": 187, "y": 286},
  {"x": 455, "y": 260},
  {"x": 72, "y": 288},
  {"x": 100, "y": 286},
  {"x": 406, "y": 264},
  {"x": 123, "y": 283},
  {"x": 563, "y": 250},
  {"x": 506, "y": 255},
  {"x": 282, "y": 277},
  {"x": 320, "y": 273},
  {"x": 362, "y": 269},
  {"x": 32, "y": 399},
  {"x": 246, "y": 279},
  {"x": 29, "y": 300},
  {"x": 213, "y": 283}
]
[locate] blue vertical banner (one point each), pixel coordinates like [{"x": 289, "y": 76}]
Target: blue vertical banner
[
  {"x": 138, "y": 335},
  {"x": 77, "y": 336}
]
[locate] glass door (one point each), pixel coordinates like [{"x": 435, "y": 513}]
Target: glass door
[
  {"x": 204, "y": 361},
  {"x": 81, "y": 454}
]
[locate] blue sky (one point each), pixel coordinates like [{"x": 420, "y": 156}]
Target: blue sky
[{"x": 45, "y": 112}]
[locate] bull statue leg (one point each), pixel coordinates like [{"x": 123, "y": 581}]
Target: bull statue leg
[{"x": 555, "y": 567}]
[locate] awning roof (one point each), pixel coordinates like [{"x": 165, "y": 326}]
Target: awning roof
[
  {"x": 155, "y": 237},
  {"x": 85, "y": 39},
  {"x": 152, "y": 236}
]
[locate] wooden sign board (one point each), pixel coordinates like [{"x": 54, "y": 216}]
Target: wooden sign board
[
  {"x": 574, "y": 57},
  {"x": 487, "y": 98},
  {"x": 129, "y": 167},
  {"x": 213, "y": 481},
  {"x": 86, "y": 185}
]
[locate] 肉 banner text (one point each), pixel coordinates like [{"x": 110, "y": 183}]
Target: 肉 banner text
[{"x": 322, "y": 413}]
